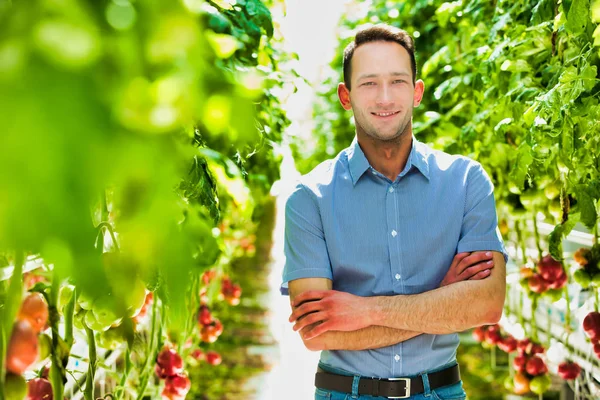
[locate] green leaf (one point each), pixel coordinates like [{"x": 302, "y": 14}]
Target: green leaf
[
  {"x": 559, "y": 233},
  {"x": 587, "y": 207},
  {"x": 588, "y": 75},
  {"x": 596, "y": 11},
  {"x": 524, "y": 160},
  {"x": 578, "y": 16}
]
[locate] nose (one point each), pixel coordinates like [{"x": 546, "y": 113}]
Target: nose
[{"x": 384, "y": 96}]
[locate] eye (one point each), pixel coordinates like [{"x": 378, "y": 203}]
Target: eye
[
  {"x": 399, "y": 81},
  {"x": 368, "y": 84}
]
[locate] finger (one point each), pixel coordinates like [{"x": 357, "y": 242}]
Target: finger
[
  {"x": 304, "y": 309},
  {"x": 481, "y": 275},
  {"x": 458, "y": 258},
  {"x": 473, "y": 259},
  {"x": 317, "y": 330},
  {"x": 309, "y": 320},
  {"x": 475, "y": 269},
  {"x": 310, "y": 295}
]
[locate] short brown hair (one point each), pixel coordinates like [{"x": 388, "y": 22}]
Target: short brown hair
[{"x": 376, "y": 33}]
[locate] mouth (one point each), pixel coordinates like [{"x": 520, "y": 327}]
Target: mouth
[{"x": 385, "y": 115}]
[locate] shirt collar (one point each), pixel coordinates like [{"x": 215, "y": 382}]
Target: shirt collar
[{"x": 358, "y": 163}]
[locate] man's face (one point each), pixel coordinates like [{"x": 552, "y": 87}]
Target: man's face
[{"x": 383, "y": 95}]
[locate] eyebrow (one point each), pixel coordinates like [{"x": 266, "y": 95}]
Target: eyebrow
[{"x": 402, "y": 73}]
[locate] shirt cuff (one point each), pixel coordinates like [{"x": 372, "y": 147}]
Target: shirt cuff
[
  {"x": 303, "y": 273},
  {"x": 483, "y": 246}
]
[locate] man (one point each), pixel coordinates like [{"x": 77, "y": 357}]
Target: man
[{"x": 406, "y": 237}]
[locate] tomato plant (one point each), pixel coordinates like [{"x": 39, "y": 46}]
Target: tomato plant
[{"x": 139, "y": 136}]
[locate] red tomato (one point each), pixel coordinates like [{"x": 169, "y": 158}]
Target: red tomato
[
  {"x": 569, "y": 370},
  {"x": 204, "y": 315},
  {"x": 508, "y": 344},
  {"x": 591, "y": 325},
  {"x": 168, "y": 363},
  {"x": 213, "y": 358},
  {"x": 520, "y": 362},
  {"x": 549, "y": 268},
  {"x": 35, "y": 310},
  {"x": 479, "y": 334},
  {"x": 39, "y": 389},
  {"x": 178, "y": 384},
  {"x": 535, "y": 366},
  {"x": 23, "y": 348},
  {"x": 537, "y": 284}
]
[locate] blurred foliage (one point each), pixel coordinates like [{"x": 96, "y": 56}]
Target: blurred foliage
[{"x": 156, "y": 119}]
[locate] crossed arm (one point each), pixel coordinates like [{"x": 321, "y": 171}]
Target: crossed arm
[{"x": 472, "y": 294}]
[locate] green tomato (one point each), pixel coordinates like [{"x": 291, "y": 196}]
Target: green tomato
[
  {"x": 104, "y": 310},
  {"x": 596, "y": 279},
  {"x": 92, "y": 323},
  {"x": 552, "y": 191},
  {"x": 135, "y": 298},
  {"x": 110, "y": 339},
  {"x": 86, "y": 301},
  {"x": 509, "y": 384},
  {"x": 15, "y": 387},
  {"x": 582, "y": 277},
  {"x": 554, "y": 294},
  {"x": 45, "y": 343},
  {"x": 540, "y": 384},
  {"x": 64, "y": 296}
]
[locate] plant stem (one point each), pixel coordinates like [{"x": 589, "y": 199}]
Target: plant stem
[
  {"x": 521, "y": 242},
  {"x": 112, "y": 233},
  {"x": 119, "y": 392},
  {"x": 57, "y": 371},
  {"x": 568, "y": 309},
  {"x": 534, "y": 333},
  {"x": 537, "y": 237},
  {"x": 145, "y": 373},
  {"x": 9, "y": 311},
  {"x": 520, "y": 310},
  {"x": 68, "y": 313},
  {"x": 89, "y": 381},
  {"x": 596, "y": 298}
]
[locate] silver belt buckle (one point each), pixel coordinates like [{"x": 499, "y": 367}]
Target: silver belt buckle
[{"x": 407, "y": 388}]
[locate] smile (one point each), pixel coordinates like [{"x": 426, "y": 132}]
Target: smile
[{"x": 386, "y": 114}]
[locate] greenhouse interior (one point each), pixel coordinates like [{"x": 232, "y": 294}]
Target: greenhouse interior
[{"x": 238, "y": 199}]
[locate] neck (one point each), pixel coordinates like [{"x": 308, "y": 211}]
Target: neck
[{"x": 387, "y": 157}]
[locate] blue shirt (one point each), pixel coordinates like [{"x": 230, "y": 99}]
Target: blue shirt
[{"x": 373, "y": 237}]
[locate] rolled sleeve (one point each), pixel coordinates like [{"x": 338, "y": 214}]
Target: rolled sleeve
[
  {"x": 305, "y": 248},
  {"x": 479, "y": 230}
]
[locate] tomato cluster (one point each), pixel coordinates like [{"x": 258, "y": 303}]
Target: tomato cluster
[
  {"x": 169, "y": 366},
  {"x": 589, "y": 273},
  {"x": 531, "y": 370},
  {"x": 26, "y": 346},
  {"x": 548, "y": 277},
  {"x": 210, "y": 327},
  {"x": 230, "y": 292},
  {"x": 491, "y": 335}
]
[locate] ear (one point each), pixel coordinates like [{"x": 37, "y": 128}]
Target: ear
[
  {"x": 344, "y": 96},
  {"x": 418, "y": 94}
]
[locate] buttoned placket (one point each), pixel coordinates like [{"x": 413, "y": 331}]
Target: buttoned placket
[{"x": 392, "y": 216}]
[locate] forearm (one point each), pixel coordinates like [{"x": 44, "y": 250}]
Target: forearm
[
  {"x": 449, "y": 309},
  {"x": 372, "y": 337}
]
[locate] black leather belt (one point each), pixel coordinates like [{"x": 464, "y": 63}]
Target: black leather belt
[{"x": 392, "y": 388}]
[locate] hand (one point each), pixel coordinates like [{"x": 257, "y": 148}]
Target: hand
[
  {"x": 469, "y": 266},
  {"x": 331, "y": 310}
]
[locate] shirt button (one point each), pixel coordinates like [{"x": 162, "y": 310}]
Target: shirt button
[
  {"x": 391, "y": 190},
  {"x": 394, "y": 233},
  {"x": 397, "y": 276},
  {"x": 397, "y": 358}
]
